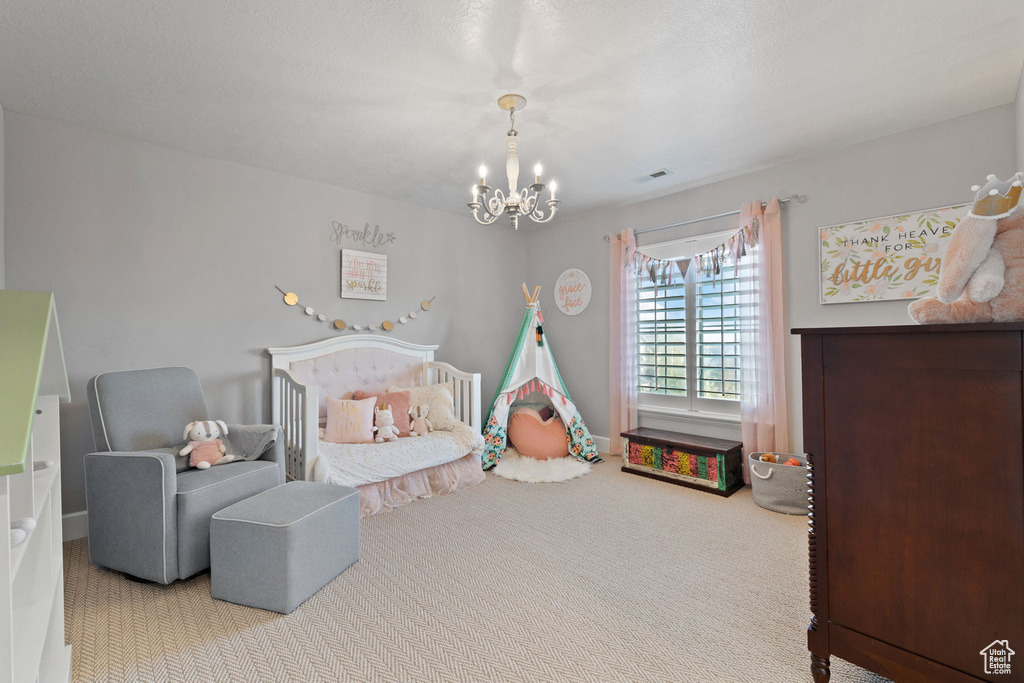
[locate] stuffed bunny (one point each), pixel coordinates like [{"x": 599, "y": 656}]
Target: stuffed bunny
[
  {"x": 420, "y": 425},
  {"x": 982, "y": 274},
  {"x": 204, "y": 444},
  {"x": 384, "y": 425}
]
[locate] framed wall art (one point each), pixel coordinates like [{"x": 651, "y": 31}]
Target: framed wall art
[
  {"x": 364, "y": 275},
  {"x": 896, "y": 257}
]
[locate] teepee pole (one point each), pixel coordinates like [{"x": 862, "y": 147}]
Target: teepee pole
[
  {"x": 526, "y": 293},
  {"x": 536, "y": 294}
]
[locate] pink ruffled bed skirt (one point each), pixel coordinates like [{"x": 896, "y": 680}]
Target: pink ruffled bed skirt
[{"x": 398, "y": 491}]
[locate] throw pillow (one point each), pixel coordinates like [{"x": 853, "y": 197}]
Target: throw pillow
[
  {"x": 440, "y": 401},
  {"x": 399, "y": 402},
  {"x": 536, "y": 438},
  {"x": 349, "y": 421}
]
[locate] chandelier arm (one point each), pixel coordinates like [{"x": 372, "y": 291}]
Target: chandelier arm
[
  {"x": 487, "y": 219},
  {"x": 496, "y": 204},
  {"x": 529, "y": 202},
  {"x": 538, "y": 216}
]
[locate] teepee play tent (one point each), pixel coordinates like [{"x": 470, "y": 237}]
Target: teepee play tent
[{"x": 531, "y": 370}]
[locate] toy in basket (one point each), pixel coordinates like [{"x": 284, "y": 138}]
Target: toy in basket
[{"x": 779, "y": 481}]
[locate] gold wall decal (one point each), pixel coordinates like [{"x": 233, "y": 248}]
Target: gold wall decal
[{"x": 292, "y": 299}]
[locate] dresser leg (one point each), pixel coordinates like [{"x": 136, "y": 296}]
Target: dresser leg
[{"x": 819, "y": 669}]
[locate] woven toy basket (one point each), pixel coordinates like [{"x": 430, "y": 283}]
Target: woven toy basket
[{"x": 777, "y": 487}]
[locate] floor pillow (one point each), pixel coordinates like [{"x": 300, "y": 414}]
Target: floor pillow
[{"x": 537, "y": 438}]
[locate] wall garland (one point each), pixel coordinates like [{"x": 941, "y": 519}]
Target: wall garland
[
  {"x": 292, "y": 299},
  {"x": 708, "y": 263}
]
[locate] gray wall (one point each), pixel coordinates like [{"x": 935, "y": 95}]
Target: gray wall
[
  {"x": 928, "y": 167},
  {"x": 159, "y": 257}
]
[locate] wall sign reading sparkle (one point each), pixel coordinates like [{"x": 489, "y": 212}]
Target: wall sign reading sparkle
[{"x": 370, "y": 238}]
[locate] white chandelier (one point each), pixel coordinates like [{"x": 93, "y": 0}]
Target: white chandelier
[{"x": 516, "y": 203}]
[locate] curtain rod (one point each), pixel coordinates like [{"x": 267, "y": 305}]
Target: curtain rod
[{"x": 798, "y": 198}]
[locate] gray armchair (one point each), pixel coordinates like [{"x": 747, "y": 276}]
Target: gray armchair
[{"x": 149, "y": 513}]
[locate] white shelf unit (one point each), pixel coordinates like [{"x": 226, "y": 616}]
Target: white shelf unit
[{"x": 32, "y": 647}]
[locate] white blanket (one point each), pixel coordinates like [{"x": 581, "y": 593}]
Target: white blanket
[{"x": 355, "y": 464}]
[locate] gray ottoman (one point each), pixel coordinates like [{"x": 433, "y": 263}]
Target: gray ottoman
[{"x": 275, "y": 550}]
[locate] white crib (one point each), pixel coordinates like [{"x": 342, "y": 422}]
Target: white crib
[{"x": 303, "y": 376}]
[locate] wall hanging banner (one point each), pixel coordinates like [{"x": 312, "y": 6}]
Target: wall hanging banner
[
  {"x": 896, "y": 257},
  {"x": 292, "y": 299},
  {"x": 708, "y": 263}
]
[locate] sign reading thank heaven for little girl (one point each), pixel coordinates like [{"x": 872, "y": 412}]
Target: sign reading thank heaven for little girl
[
  {"x": 896, "y": 257},
  {"x": 364, "y": 275}
]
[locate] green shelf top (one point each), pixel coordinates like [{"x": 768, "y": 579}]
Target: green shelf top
[{"x": 31, "y": 363}]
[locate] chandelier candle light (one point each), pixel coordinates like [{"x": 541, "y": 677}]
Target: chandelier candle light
[{"x": 516, "y": 203}]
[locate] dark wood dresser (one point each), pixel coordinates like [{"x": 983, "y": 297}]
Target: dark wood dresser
[{"x": 915, "y": 437}]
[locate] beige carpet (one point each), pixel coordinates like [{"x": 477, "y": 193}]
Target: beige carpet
[{"x": 609, "y": 577}]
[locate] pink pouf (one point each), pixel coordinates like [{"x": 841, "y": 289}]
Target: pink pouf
[{"x": 536, "y": 438}]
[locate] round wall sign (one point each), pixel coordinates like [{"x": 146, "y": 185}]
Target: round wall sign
[{"x": 572, "y": 291}]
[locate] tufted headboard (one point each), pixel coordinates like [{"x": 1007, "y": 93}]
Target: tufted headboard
[
  {"x": 340, "y": 373},
  {"x": 341, "y": 365}
]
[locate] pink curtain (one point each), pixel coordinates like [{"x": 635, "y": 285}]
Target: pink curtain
[
  {"x": 622, "y": 347},
  {"x": 764, "y": 414}
]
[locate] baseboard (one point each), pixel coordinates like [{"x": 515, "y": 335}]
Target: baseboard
[
  {"x": 602, "y": 443},
  {"x": 75, "y": 525}
]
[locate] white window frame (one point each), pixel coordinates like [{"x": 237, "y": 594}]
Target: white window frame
[{"x": 692, "y": 404}]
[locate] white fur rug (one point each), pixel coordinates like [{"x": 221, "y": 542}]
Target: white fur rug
[{"x": 515, "y": 466}]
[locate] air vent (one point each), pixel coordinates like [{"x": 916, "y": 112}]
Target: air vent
[{"x": 652, "y": 175}]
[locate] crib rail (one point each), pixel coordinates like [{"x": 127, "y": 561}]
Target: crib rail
[
  {"x": 295, "y": 407},
  {"x": 467, "y": 390}
]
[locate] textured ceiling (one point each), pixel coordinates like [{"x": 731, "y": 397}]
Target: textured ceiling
[{"x": 398, "y": 98}]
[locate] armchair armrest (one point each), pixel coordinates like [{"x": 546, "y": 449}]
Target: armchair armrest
[
  {"x": 258, "y": 442},
  {"x": 130, "y": 498}
]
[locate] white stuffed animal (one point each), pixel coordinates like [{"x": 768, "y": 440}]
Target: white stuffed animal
[
  {"x": 420, "y": 425},
  {"x": 384, "y": 425},
  {"x": 204, "y": 444}
]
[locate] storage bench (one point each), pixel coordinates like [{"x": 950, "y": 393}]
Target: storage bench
[{"x": 700, "y": 462}]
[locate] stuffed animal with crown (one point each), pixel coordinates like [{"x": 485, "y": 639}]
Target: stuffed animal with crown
[
  {"x": 384, "y": 425},
  {"x": 420, "y": 425},
  {"x": 982, "y": 274},
  {"x": 204, "y": 446}
]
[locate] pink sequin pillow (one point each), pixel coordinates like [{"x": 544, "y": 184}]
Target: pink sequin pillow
[
  {"x": 536, "y": 438},
  {"x": 349, "y": 421},
  {"x": 399, "y": 402}
]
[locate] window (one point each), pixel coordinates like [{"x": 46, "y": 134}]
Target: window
[{"x": 688, "y": 335}]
